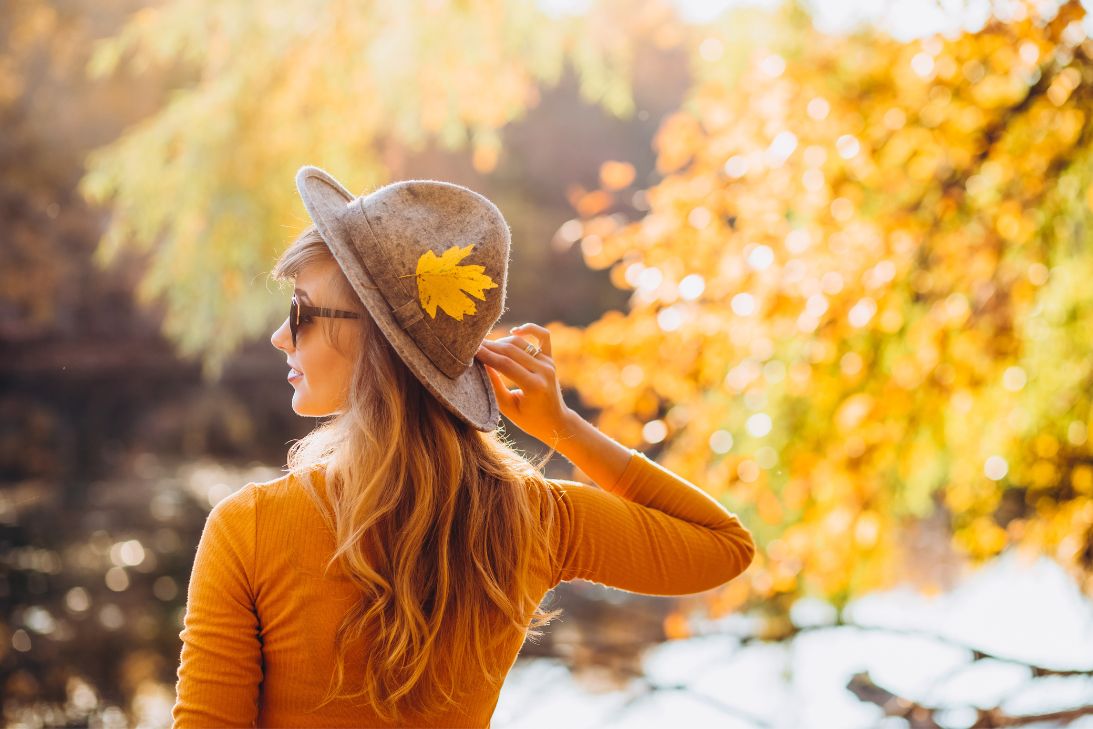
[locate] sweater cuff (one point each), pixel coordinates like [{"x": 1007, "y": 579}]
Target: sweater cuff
[{"x": 634, "y": 466}]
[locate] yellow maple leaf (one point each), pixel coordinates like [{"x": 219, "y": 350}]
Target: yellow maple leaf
[{"x": 442, "y": 282}]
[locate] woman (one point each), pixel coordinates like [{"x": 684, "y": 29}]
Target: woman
[{"x": 392, "y": 575}]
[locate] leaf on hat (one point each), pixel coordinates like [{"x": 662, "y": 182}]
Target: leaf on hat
[{"x": 442, "y": 282}]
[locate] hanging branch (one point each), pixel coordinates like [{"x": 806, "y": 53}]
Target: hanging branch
[{"x": 921, "y": 716}]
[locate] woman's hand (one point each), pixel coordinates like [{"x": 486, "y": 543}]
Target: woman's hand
[{"x": 537, "y": 407}]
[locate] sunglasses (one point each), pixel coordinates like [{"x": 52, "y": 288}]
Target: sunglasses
[{"x": 300, "y": 314}]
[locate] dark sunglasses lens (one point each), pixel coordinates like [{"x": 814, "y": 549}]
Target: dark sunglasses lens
[{"x": 293, "y": 315}]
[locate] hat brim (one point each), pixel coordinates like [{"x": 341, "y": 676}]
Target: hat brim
[{"x": 469, "y": 396}]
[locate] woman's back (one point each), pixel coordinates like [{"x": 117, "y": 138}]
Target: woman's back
[{"x": 258, "y": 646}]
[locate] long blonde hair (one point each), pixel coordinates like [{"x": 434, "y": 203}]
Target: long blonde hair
[{"x": 433, "y": 521}]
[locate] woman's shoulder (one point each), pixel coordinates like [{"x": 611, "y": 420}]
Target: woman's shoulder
[
  {"x": 272, "y": 496},
  {"x": 288, "y": 495},
  {"x": 273, "y": 488}
]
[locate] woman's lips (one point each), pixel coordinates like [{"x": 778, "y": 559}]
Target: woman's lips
[{"x": 294, "y": 375}]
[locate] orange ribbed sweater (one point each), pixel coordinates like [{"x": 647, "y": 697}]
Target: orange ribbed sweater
[{"x": 258, "y": 636}]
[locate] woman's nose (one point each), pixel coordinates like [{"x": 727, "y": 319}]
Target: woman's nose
[{"x": 282, "y": 337}]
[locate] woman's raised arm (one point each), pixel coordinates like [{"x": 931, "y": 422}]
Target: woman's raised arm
[{"x": 647, "y": 529}]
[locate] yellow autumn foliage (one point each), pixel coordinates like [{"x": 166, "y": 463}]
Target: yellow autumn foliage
[{"x": 865, "y": 275}]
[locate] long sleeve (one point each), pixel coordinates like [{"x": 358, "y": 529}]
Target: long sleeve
[
  {"x": 652, "y": 532},
  {"x": 221, "y": 663}
]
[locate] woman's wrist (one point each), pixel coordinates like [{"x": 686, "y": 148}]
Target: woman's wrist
[{"x": 596, "y": 454}]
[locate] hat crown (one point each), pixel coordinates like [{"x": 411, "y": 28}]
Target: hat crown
[{"x": 448, "y": 248}]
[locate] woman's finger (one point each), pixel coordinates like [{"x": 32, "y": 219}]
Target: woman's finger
[
  {"x": 505, "y": 397},
  {"x": 541, "y": 333},
  {"x": 516, "y": 347},
  {"x": 498, "y": 357}
]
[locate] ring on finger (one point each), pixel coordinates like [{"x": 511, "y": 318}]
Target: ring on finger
[{"x": 532, "y": 350}]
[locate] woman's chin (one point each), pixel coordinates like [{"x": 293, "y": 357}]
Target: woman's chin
[
  {"x": 304, "y": 409},
  {"x": 300, "y": 405}
]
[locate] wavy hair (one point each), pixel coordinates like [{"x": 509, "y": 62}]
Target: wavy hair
[{"x": 433, "y": 520}]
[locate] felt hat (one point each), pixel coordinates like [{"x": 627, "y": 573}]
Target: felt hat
[{"x": 429, "y": 261}]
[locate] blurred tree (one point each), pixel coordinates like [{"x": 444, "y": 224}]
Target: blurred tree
[
  {"x": 860, "y": 293},
  {"x": 205, "y": 185},
  {"x": 46, "y": 226}
]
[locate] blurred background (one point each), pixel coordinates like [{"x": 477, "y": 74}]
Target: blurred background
[{"x": 828, "y": 260}]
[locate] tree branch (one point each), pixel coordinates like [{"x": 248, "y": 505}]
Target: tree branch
[{"x": 921, "y": 716}]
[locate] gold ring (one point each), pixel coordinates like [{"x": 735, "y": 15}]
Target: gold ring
[{"x": 532, "y": 350}]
